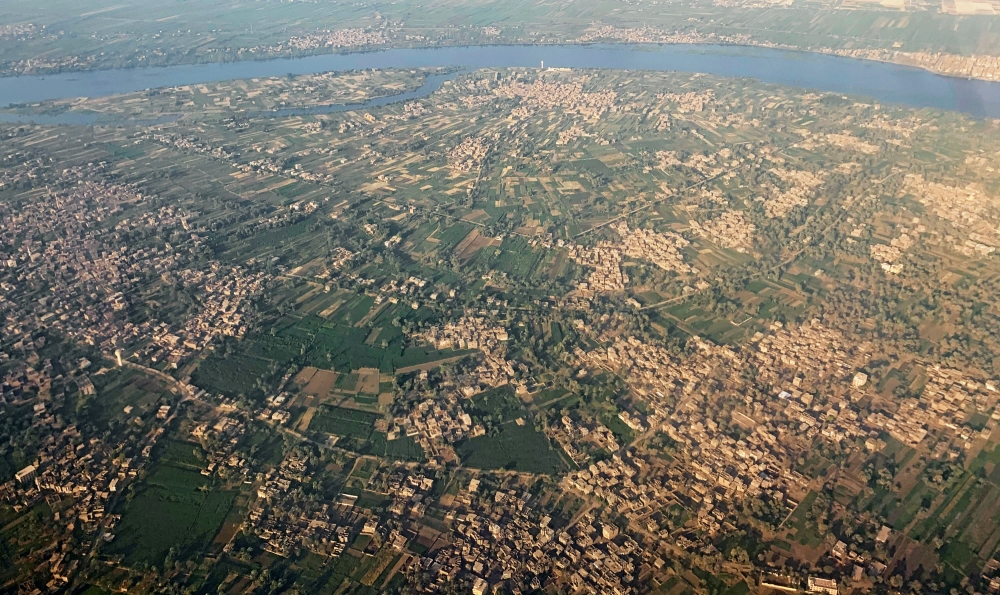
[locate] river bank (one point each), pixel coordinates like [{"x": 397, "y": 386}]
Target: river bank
[
  {"x": 971, "y": 67},
  {"x": 878, "y": 80}
]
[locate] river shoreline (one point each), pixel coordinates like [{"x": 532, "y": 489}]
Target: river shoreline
[
  {"x": 883, "y": 81},
  {"x": 824, "y": 51}
]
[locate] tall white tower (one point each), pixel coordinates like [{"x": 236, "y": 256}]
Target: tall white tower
[{"x": 118, "y": 355}]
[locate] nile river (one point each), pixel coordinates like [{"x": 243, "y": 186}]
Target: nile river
[{"x": 883, "y": 82}]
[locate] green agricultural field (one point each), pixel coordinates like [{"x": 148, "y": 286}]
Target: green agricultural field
[
  {"x": 176, "y": 511},
  {"x": 230, "y": 375},
  {"x": 117, "y": 389},
  {"x": 451, "y": 236},
  {"x": 357, "y": 431},
  {"x": 805, "y": 528},
  {"x": 347, "y": 423},
  {"x": 507, "y": 444},
  {"x": 27, "y": 533},
  {"x": 256, "y": 362},
  {"x": 512, "y": 447},
  {"x": 343, "y": 569},
  {"x": 622, "y": 432},
  {"x": 546, "y": 396},
  {"x": 497, "y": 405},
  {"x": 403, "y": 448}
]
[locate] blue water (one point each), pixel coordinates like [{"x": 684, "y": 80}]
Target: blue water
[{"x": 888, "y": 83}]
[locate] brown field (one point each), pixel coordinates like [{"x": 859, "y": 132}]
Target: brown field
[
  {"x": 476, "y": 215},
  {"x": 227, "y": 533},
  {"x": 320, "y": 383},
  {"x": 305, "y": 375},
  {"x": 319, "y": 303},
  {"x": 915, "y": 554},
  {"x": 559, "y": 265},
  {"x": 428, "y": 365},
  {"x": 890, "y": 386},
  {"x": 306, "y": 419},
  {"x": 471, "y": 244},
  {"x": 949, "y": 277},
  {"x": 428, "y": 537},
  {"x": 613, "y": 159},
  {"x": 933, "y": 331},
  {"x": 333, "y": 308},
  {"x": 311, "y": 268},
  {"x": 367, "y": 381}
]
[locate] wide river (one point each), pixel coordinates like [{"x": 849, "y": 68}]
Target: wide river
[{"x": 888, "y": 83}]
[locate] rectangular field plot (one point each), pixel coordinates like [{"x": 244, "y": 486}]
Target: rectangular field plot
[{"x": 175, "y": 509}]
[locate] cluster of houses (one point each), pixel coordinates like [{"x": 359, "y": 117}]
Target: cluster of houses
[
  {"x": 436, "y": 421},
  {"x": 606, "y": 258},
  {"x": 91, "y": 270},
  {"x": 569, "y": 97},
  {"x": 503, "y": 542},
  {"x": 578, "y": 437},
  {"x": 800, "y": 186},
  {"x": 477, "y": 332},
  {"x": 222, "y": 437},
  {"x": 340, "y": 38},
  {"x": 968, "y": 209},
  {"x": 469, "y": 154},
  {"x": 662, "y": 249},
  {"x": 226, "y": 298},
  {"x": 731, "y": 229},
  {"x": 79, "y": 476},
  {"x": 287, "y": 523}
]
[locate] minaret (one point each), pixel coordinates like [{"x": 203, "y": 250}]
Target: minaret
[{"x": 118, "y": 355}]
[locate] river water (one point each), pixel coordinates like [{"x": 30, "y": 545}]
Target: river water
[{"x": 883, "y": 82}]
